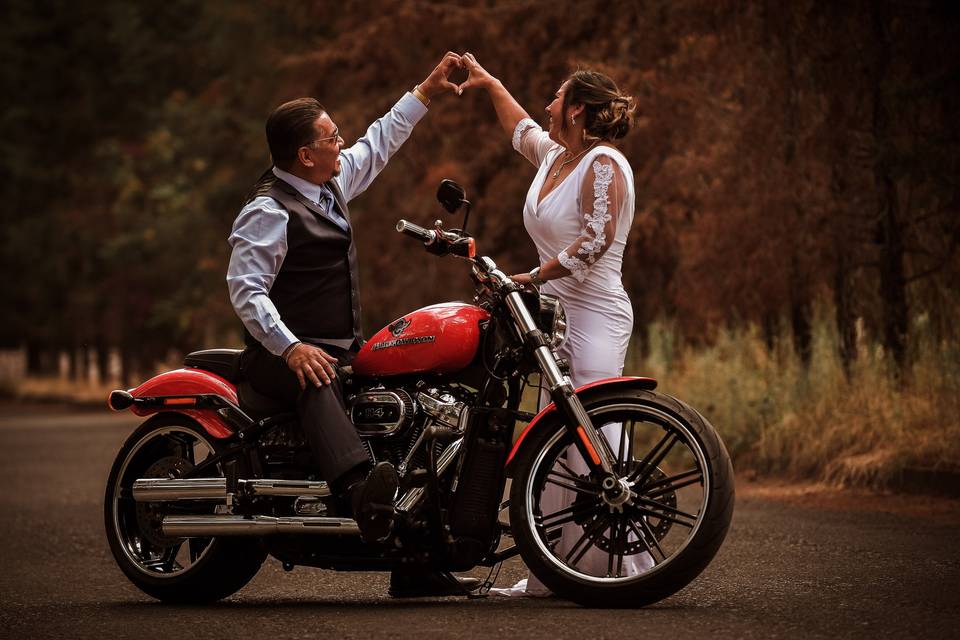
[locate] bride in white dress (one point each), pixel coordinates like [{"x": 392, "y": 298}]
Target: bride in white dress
[{"x": 578, "y": 212}]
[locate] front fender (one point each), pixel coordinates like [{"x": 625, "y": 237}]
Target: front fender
[
  {"x": 585, "y": 393},
  {"x": 185, "y": 382}
]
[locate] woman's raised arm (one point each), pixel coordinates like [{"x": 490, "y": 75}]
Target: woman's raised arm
[
  {"x": 528, "y": 138},
  {"x": 509, "y": 111}
]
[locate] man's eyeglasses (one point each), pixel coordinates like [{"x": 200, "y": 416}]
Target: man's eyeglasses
[{"x": 335, "y": 136}]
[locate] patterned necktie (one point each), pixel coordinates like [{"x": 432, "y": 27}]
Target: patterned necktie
[{"x": 327, "y": 204}]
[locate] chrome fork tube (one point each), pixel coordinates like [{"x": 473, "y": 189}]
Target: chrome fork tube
[
  {"x": 548, "y": 364},
  {"x": 562, "y": 391}
]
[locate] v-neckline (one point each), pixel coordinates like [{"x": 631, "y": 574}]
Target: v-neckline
[{"x": 541, "y": 198}]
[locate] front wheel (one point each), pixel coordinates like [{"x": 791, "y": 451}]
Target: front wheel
[
  {"x": 184, "y": 570},
  {"x": 653, "y": 539}
]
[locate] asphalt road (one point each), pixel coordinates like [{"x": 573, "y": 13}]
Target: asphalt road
[{"x": 785, "y": 571}]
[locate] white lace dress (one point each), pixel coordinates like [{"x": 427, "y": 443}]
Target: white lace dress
[{"x": 584, "y": 221}]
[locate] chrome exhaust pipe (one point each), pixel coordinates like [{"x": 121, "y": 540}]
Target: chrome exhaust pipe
[
  {"x": 170, "y": 490},
  {"x": 289, "y": 488},
  {"x": 228, "y": 525},
  {"x": 165, "y": 489}
]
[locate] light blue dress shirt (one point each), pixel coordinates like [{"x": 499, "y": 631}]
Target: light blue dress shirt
[{"x": 259, "y": 235}]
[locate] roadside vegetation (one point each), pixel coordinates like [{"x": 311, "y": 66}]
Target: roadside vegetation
[{"x": 780, "y": 418}]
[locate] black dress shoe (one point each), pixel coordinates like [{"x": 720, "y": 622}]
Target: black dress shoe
[
  {"x": 426, "y": 584},
  {"x": 372, "y": 501}
]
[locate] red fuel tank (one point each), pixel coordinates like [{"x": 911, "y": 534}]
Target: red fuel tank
[{"x": 441, "y": 338}]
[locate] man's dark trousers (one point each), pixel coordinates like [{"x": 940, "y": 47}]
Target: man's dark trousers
[{"x": 330, "y": 433}]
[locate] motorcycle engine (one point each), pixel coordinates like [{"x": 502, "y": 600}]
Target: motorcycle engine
[
  {"x": 390, "y": 421},
  {"x": 381, "y": 413}
]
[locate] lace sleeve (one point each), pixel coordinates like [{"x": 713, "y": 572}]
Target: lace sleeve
[
  {"x": 601, "y": 199},
  {"x": 531, "y": 141}
]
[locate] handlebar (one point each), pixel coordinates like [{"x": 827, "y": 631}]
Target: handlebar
[
  {"x": 415, "y": 231},
  {"x": 438, "y": 241}
]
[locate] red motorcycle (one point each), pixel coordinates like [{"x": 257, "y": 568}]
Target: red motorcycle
[{"x": 219, "y": 476}]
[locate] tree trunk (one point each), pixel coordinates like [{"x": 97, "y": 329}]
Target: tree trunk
[
  {"x": 893, "y": 290},
  {"x": 80, "y": 363},
  {"x": 800, "y": 313},
  {"x": 771, "y": 330},
  {"x": 843, "y": 292},
  {"x": 126, "y": 368},
  {"x": 845, "y": 319},
  {"x": 103, "y": 361},
  {"x": 34, "y": 359},
  {"x": 42, "y": 360},
  {"x": 798, "y": 285}
]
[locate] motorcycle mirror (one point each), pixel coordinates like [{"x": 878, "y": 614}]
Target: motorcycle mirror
[{"x": 451, "y": 195}]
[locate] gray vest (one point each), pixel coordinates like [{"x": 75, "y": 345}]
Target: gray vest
[{"x": 317, "y": 290}]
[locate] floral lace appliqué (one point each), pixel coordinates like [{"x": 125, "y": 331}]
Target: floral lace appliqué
[
  {"x": 578, "y": 268},
  {"x": 520, "y": 129},
  {"x": 595, "y": 222}
]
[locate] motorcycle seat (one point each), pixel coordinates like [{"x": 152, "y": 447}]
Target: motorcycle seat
[{"x": 223, "y": 362}]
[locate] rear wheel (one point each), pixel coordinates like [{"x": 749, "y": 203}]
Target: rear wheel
[
  {"x": 188, "y": 570},
  {"x": 650, "y": 542}
]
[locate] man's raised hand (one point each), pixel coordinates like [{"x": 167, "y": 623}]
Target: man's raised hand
[{"x": 437, "y": 82}]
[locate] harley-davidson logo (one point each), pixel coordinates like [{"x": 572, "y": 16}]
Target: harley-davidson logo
[
  {"x": 402, "y": 341},
  {"x": 399, "y": 326}
]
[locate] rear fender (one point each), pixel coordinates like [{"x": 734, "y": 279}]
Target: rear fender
[
  {"x": 585, "y": 393},
  {"x": 188, "y": 382}
]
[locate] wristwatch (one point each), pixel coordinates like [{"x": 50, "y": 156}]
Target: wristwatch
[{"x": 535, "y": 277}]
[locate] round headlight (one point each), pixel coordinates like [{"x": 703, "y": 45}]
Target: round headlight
[
  {"x": 559, "y": 327},
  {"x": 553, "y": 319}
]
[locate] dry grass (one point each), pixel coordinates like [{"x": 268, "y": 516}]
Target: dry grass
[{"x": 779, "y": 419}]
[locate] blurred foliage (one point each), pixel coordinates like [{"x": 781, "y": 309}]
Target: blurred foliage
[
  {"x": 783, "y": 418},
  {"x": 783, "y": 154}
]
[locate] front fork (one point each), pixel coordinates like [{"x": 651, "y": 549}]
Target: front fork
[{"x": 589, "y": 441}]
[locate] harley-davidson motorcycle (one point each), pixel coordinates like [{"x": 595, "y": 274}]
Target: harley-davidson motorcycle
[{"x": 218, "y": 477}]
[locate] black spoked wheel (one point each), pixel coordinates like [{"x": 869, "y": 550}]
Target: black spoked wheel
[
  {"x": 653, "y": 538},
  {"x": 189, "y": 570}
]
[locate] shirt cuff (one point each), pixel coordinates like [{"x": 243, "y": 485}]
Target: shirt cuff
[
  {"x": 278, "y": 340},
  {"x": 411, "y": 108}
]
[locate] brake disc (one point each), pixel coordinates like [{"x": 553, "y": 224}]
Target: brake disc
[
  {"x": 150, "y": 514},
  {"x": 660, "y": 526},
  {"x": 606, "y": 539}
]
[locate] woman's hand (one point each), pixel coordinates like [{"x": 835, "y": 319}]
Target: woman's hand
[
  {"x": 477, "y": 76},
  {"x": 522, "y": 279},
  {"x": 311, "y": 363},
  {"x": 509, "y": 112},
  {"x": 437, "y": 81}
]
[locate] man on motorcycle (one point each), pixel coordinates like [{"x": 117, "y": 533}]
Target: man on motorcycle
[{"x": 293, "y": 282}]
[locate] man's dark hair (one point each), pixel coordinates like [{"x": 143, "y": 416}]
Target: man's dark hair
[{"x": 290, "y": 127}]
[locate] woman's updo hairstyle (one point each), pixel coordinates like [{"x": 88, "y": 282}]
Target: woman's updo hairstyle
[{"x": 608, "y": 112}]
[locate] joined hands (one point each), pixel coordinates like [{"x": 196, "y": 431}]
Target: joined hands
[{"x": 439, "y": 79}]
